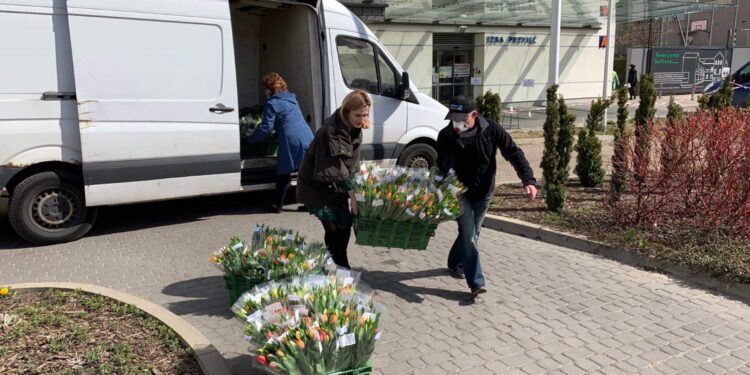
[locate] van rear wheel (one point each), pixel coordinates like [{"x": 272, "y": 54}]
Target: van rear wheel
[
  {"x": 418, "y": 155},
  {"x": 49, "y": 207}
]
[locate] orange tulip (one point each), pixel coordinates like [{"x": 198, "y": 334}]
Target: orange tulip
[{"x": 300, "y": 344}]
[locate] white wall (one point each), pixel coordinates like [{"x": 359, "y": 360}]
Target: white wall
[
  {"x": 581, "y": 65},
  {"x": 504, "y": 67}
]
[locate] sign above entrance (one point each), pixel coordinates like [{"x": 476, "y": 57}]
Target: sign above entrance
[{"x": 495, "y": 40}]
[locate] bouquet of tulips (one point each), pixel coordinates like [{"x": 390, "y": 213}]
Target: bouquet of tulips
[
  {"x": 406, "y": 195},
  {"x": 272, "y": 254},
  {"x": 311, "y": 325}
]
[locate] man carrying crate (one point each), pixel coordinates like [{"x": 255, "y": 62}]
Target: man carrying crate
[{"x": 468, "y": 145}]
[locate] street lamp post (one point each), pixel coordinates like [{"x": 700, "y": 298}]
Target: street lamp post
[
  {"x": 554, "y": 54},
  {"x": 607, "y": 70}
]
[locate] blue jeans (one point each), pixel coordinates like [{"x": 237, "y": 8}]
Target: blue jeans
[{"x": 465, "y": 250}]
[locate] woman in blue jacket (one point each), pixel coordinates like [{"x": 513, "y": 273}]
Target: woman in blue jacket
[{"x": 282, "y": 113}]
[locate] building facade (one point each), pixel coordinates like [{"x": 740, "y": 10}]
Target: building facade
[{"x": 449, "y": 50}]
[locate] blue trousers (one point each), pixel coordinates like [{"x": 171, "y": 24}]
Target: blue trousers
[{"x": 465, "y": 250}]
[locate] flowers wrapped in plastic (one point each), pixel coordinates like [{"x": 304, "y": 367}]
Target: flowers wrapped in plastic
[
  {"x": 406, "y": 195},
  {"x": 401, "y": 207},
  {"x": 271, "y": 254},
  {"x": 250, "y": 118},
  {"x": 311, "y": 325}
]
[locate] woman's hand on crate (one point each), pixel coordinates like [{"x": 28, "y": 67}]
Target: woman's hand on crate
[{"x": 353, "y": 204}]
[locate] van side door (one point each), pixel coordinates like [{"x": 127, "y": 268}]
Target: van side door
[
  {"x": 360, "y": 64},
  {"x": 156, "y": 98}
]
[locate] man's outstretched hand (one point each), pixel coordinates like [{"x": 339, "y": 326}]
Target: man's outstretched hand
[{"x": 530, "y": 191}]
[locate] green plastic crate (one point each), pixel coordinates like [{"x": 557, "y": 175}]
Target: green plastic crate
[
  {"x": 236, "y": 285},
  {"x": 387, "y": 233},
  {"x": 266, "y": 148},
  {"x": 367, "y": 369}
]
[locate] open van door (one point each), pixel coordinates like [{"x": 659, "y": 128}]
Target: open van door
[{"x": 156, "y": 98}]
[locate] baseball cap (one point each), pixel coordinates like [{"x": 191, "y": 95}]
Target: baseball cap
[{"x": 459, "y": 107}]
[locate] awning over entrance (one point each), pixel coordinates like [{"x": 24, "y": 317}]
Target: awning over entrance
[{"x": 575, "y": 13}]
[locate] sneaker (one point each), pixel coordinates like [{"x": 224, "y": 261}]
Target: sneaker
[
  {"x": 478, "y": 290},
  {"x": 274, "y": 209},
  {"x": 456, "y": 273}
]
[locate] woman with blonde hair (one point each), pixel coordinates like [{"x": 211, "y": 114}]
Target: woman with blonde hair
[
  {"x": 282, "y": 113},
  {"x": 324, "y": 184}
]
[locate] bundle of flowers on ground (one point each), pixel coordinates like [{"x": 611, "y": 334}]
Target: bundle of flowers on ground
[
  {"x": 401, "y": 207},
  {"x": 312, "y": 325},
  {"x": 272, "y": 254},
  {"x": 406, "y": 195}
]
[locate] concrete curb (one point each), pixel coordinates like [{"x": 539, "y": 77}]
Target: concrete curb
[
  {"x": 210, "y": 360},
  {"x": 581, "y": 243}
]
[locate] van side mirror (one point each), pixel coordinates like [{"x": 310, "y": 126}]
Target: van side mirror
[{"x": 404, "y": 92}]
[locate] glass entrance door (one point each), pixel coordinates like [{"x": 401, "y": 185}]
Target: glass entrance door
[{"x": 451, "y": 74}]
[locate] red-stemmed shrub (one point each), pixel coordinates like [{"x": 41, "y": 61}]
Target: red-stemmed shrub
[{"x": 691, "y": 173}]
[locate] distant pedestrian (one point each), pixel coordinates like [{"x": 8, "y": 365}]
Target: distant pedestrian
[
  {"x": 615, "y": 80},
  {"x": 282, "y": 114},
  {"x": 632, "y": 80}
]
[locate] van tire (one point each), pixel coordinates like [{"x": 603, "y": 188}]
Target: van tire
[
  {"x": 49, "y": 207},
  {"x": 418, "y": 155}
]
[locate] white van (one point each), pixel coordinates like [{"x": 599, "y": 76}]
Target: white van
[{"x": 121, "y": 101}]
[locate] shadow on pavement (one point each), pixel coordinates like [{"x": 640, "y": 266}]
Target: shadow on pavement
[
  {"x": 117, "y": 219},
  {"x": 243, "y": 364},
  {"x": 392, "y": 282},
  {"x": 8, "y": 238},
  {"x": 155, "y": 214},
  {"x": 208, "y": 297}
]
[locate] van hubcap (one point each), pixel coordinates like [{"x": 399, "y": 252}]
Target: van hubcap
[
  {"x": 54, "y": 208},
  {"x": 419, "y": 161}
]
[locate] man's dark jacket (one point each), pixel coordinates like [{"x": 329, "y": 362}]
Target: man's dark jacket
[{"x": 479, "y": 177}]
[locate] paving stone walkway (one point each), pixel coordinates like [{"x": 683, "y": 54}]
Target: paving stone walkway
[{"x": 548, "y": 309}]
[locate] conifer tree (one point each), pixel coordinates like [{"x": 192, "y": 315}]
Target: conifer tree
[
  {"x": 589, "y": 167},
  {"x": 620, "y": 156},
  {"x": 644, "y": 116},
  {"x": 703, "y": 102},
  {"x": 565, "y": 138},
  {"x": 488, "y": 105},
  {"x": 723, "y": 98},
  {"x": 674, "y": 111},
  {"x": 555, "y": 192}
]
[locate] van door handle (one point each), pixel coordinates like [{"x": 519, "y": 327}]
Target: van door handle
[
  {"x": 220, "y": 108},
  {"x": 54, "y": 95}
]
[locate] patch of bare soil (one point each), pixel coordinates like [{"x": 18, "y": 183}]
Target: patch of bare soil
[
  {"x": 717, "y": 253},
  {"x": 73, "y": 332}
]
